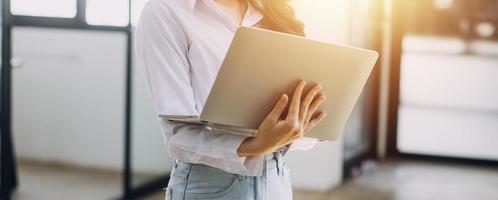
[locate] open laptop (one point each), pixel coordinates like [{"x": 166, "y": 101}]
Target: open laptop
[{"x": 261, "y": 65}]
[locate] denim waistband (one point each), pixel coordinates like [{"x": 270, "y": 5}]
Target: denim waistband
[
  {"x": 273, "y": 155},
  {"x": 278, "y": 153},
  {"x": 273, "y": 161}
]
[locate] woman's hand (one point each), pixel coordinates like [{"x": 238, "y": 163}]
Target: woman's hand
[{"x": 275, "y": 132}]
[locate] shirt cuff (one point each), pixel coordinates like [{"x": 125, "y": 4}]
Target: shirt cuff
[
  {"x": 247, "y": 165},
  {"x": 303, "y": 144},
  {"x": 232, "y": 143},
  {"x": 219, "y": 151}
]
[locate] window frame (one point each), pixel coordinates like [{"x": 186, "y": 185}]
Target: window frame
[
  {"x": 76, "y": 22},
  {"x": 8, "y": 168},
  {"x": 63, "y": 17},
  {"x": 85, "y": 20}
]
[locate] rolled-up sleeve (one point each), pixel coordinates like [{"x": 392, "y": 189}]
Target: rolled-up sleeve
[
  {"x": 196, "y": 144},
  {"x": 162, "y": 47}
]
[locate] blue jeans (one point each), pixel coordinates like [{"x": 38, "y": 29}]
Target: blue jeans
[{"x": 197, "y": 181}]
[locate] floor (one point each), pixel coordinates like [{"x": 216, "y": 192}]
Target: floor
[
  {"x": 41, "y": 181},
  {"x": 417, "y": 180},
  {"x": 391, "y": 180}
]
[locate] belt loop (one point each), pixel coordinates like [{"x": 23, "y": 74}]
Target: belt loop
[
  {"x": 275, "y": 156},
  {"x": 280, "y": 163},
  {"x": 265, "y": 163}
]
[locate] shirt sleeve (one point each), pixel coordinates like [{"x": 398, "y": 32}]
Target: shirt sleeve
[
  {"x": 197, "y": 144},
  {"x": 162, "y": 48}
]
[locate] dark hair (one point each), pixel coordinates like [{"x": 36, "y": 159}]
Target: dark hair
[{"x": 279, "y": 16}]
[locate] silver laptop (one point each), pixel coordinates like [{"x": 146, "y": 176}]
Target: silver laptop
[{"x": 261, "y": 65}]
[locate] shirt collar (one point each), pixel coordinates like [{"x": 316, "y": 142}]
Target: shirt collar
[
  {"x": 252, "y": 17},
  {"x": 191, "y": 4}
]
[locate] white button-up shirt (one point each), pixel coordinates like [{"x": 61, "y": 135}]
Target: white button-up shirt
[{"x": 181, "y": 45}]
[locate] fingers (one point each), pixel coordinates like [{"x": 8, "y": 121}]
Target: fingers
[
  {"x": 278, "y": 109},
  {"x": 305, "y": 104},
  {"x": 294, "y": 106},
  {"x": 315, "y": 121},
  {"x": 313, "y": 107}
]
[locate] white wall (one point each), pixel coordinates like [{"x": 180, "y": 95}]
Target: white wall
[{"x": 321, "y": 168}]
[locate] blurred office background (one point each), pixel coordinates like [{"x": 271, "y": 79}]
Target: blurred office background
[{"x": 77, "y": 121}]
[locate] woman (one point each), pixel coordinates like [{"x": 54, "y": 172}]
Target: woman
[{"x": 181, "y": 45}]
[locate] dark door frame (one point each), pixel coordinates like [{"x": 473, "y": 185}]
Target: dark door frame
[
  {"x": 8, "y": 182},
  {"x": 397, "y": 33}
]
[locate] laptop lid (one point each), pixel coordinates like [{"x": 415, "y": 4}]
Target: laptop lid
[{"x": 261, "y": 65}]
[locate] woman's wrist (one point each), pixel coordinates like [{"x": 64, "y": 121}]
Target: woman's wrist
[{"x": 250, "y": 147}]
